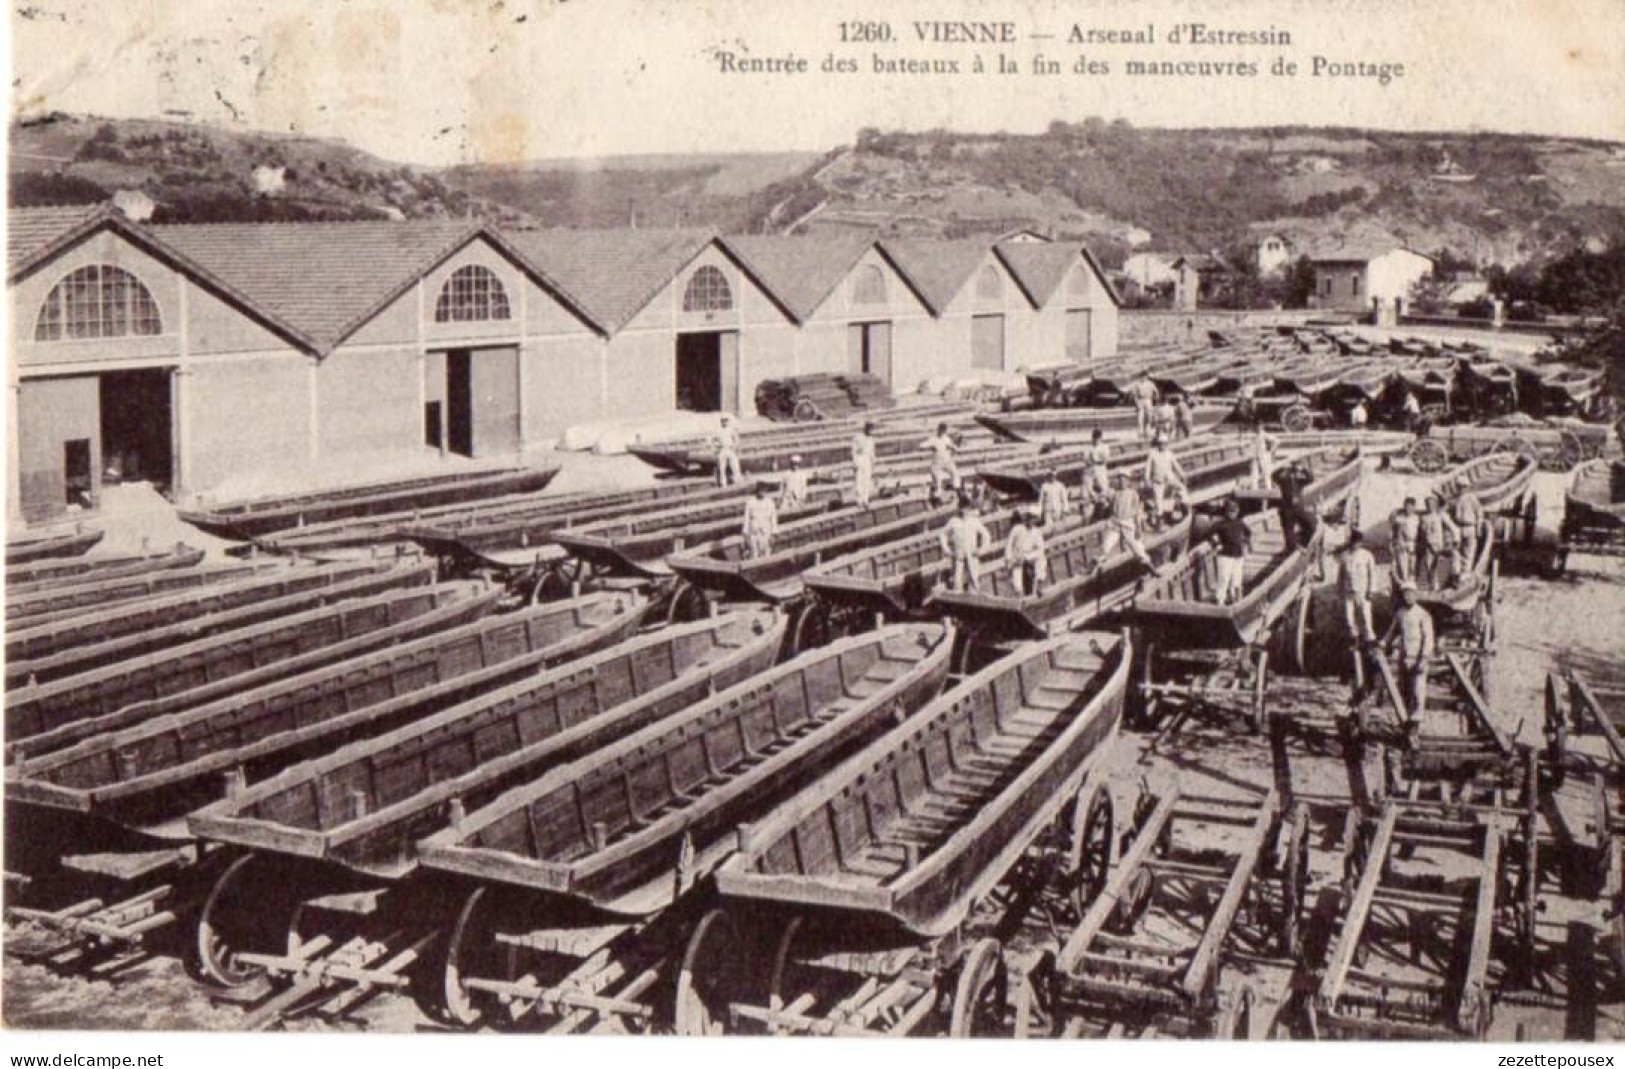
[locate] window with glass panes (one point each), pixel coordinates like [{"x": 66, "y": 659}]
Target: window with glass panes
[
  {"x": 97, "y": 301},
  {"x": 471, "y": 294}
]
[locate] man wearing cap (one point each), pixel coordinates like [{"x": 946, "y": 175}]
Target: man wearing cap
[
  {"x": 1436, "y": 545},
  {"x": 1164, "y": 475},
  {"x": 1355, "y": 579},
  {"x": 944, "y": 469},
  {"x": 863, "y": 465},
  {"x": 1144, "y": 395},
  {"x": 1469, "y": 517},
  {"x": 727, "y": 445},
  {"x": 1410, "y": 637},
  {"x": 1405, "y": 531},
  {"x": 1024, "y": 553},
  {"x": 1097, "y": 485},
  {"x": 793, "y": 486},
  {"x": 1263, "y": 458},
  {"x": 963, "y": 539},
  {"x": 761, "y": 523},
  {"x": 1127, "y": 514},
  {"x": 1235, "y": 539},
  {"x": 1053, "y": 505}
]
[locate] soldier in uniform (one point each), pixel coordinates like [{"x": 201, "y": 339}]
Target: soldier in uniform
[
  {"x": 1053, "y": 505},
  {"x": 1410, "y": 638},
  {"x": 761, "y": 523},
  {"x": 963, "y": 539},
  {"x": 793, "y": 489},
  {"x": 863, "y": 465},
  {"x": 944, "y": 468},
  {"x": 727, "y": 445},
  {"x": 1024, "y": 554}
]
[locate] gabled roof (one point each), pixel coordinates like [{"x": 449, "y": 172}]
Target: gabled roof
[
  {"x": 1040, "y": 268},
  {"x": 1359, "y": 254},
  {"x": 803, "y": 271},
  {"x": 615, "y": 273},
  {"x": 1201, "y": 261},
  {"x": 34, "y": 234},
  {"x": 936, "y": 269},
  {"x": 327, "y": 279}
]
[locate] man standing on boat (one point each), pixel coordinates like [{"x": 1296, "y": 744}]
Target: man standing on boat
[
  {"x": 761, "y": 523},
  {"x": 1184, "y": 423},
  {"x": 863, "y": 465},
  {"x": 963, "y": 539},
  {"x": 1024, "y": 554},
  {"x": 1144, "y": 395},
  {"x": 1263, "y": 458},
  {"x": 1355, "y": 581},
  {"x": 944, "y": 469},
  {"x": 1235, "y": 540},
  {"x": 729, "y": 471},
  {"x": 1097, "y": 485},
  {"x": 1359, "y": 416},
  {"x": 1406, "y": 531},
  {"x": 1163, "y": 474},
  {"x": 1053, "y": 505},
  {"x": 793, "y": 486},
  {"x": 1437, "y": 544},
  {"x": 1469, "y": 515},
  {"x": 1410, "y": 636},
  {"x": 1412, "y": 411},
  {"x": 1127, "y": 516}
]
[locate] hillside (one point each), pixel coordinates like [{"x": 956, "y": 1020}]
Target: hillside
[
  {"x": 201, "y": 173},
  {"x": 1487, "y": 197}
]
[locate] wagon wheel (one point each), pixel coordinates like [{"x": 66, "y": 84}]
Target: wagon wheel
[
  {"x": 1132, "y": 907},
  {"x": 1515, "y": 444},
  {"x": 1235, "y": 1017},
  {"x": 1092, "y": 825},
  {"x": 469, "y": 950},
  {"x": 1300, "y": 634},
  {"x": 1148, "y": 698},
  {"x": 558, "y": 581},
  {"x": 779, "y": 973},
  {"x": 1294, "y": 882},
  {"x": 804, "y": 411},
  {"x": 1429, "y": 456},
  {"x": 688, "y": 602},
  {"x": 1570, "y": 451},
  {"x": 234, "y": 918},
  {"x": 711, "y": 966},
  {"x": 1298, "y": 419},
  {"x": 980, "y": 995},
  {"x": 811, "y": 627}
]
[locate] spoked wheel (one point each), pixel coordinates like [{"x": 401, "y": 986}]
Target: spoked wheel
[
  {"x": 688, "y": 603},
  {"x": 805, "y": 412},
  {"x": 1298, "y": 419},
  {"x": 782, "y": 968},
  {"x": 1429, "y": 456},
  {"x": 712, "y": 964},
  {"x": 1570, "y": 451},
  {"x": 1300, "y": 634},
  {"x": 559, "y": 582},
  {"x": 1089, "y": 859},
  {"x": 981, "y": 994},
  {"x": 1235, "y": 1018},
  {"x": 811, "y": 627},
  {"x": 1294, "y": 882},
  {"x": 469, "y": 952},
  {"x": 236, "y": 918}
]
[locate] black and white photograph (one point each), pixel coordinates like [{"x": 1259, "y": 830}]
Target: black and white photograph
[{"x": 1023, "y": 519}]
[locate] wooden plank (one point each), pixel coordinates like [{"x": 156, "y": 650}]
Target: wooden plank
[{"x": 1354, "y": 918}]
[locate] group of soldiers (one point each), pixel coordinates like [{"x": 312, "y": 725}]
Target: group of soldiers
[
  {"x": 1432, "y": 546},
  {"x": 1155, "y": 414}
]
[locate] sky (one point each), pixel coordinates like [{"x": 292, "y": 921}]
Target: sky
[{"x": 440, "y": 82}]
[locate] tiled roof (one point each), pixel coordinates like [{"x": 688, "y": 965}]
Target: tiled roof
[
  {"x": 1039, "y": 267},
  {"x": 803, "y": 271},
  {"x": 612, "y": 273},
  {"x": 1358, "y": 253},
  {"x": 31, "y": 232},
  {"x": 325, "y": 279},
  {"x": 937, "y": 269}
]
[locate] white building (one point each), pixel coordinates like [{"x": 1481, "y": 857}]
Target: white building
[
  {"x": 1368, "y": 279},
  {"x": 1272, "y": 253}
]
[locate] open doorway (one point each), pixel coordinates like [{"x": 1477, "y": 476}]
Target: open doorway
[
  {"x": 869, "y": 350},
  {"x": 137, "y": 427},
  {"x": 459, "y": 402},
  {"x": 699, "y": 372}
]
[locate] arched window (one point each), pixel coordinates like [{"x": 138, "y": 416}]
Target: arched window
[
  {"x": 988, "y": 283},
  {"x": 472, "y": 293},
  {"x": 98, "y": 301},
  {"x": 708, "y": 292},
  {"x": 870, "y": 286}
]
